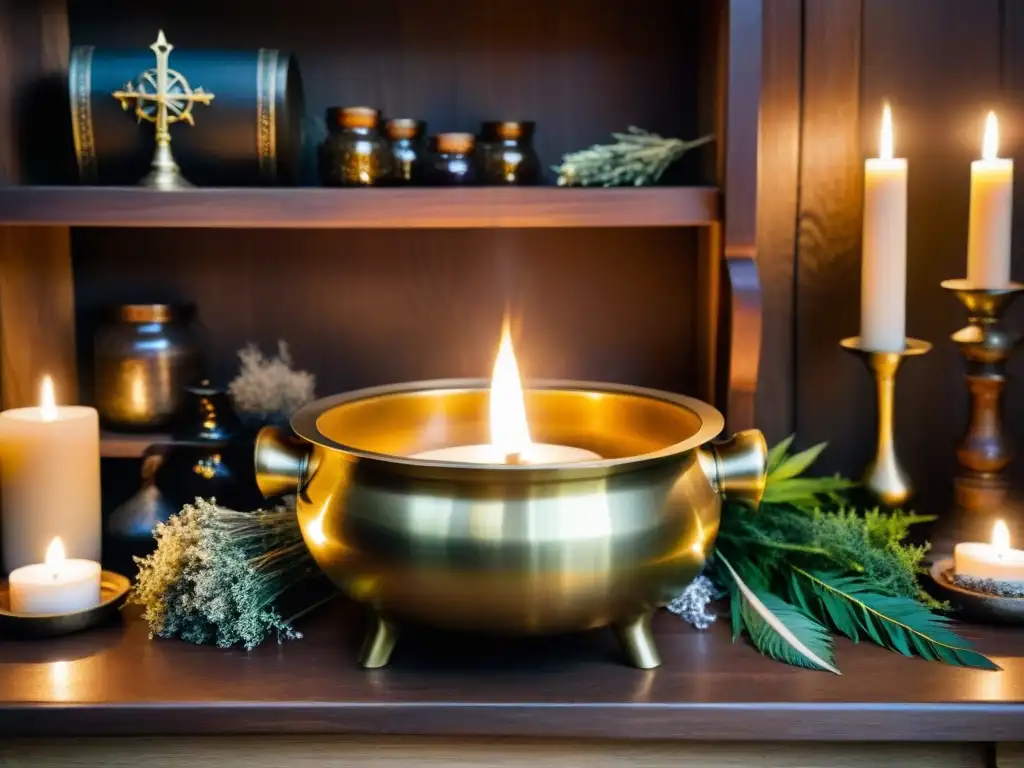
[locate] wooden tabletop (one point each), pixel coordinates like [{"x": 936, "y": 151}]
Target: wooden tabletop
[{"x": 115, "y": 681}]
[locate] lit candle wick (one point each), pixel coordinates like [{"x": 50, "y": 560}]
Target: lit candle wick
[
  {"x": 885, "y": 142},
  {"x": 47, "y": 400},
  {"x": 990, "y": 141}
]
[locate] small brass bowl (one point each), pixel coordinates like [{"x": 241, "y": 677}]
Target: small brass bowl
[
  {"x": 113, "y": 592},
  {"x": 972, "y": 604},
  {"x": 510, "y": 549}
]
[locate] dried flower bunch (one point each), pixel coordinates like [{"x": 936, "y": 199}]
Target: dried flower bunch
[
  {"x": 637, "y": 158},
  {"x": 267, "y": 388},
  {"x": 221, "y": 577}
]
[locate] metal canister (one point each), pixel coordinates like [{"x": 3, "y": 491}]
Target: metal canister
[{"x": 145, "y": 356}]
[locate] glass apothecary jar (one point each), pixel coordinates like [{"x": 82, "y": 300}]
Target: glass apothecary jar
[
  {"x": 452, "y": 162},
  {"x": 355, "y": 154},
  {"x": 507, "y": 156},
  {"x": 408, "y": 154},
  {"x": 145, "y": 355}
]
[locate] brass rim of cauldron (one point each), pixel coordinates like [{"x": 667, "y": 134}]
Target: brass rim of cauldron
[{"x": 305, "y": 423}]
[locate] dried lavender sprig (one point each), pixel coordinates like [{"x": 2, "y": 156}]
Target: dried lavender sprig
[{"x": 637, "y": 157}]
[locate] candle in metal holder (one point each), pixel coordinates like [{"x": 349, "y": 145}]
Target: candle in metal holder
[
  {"x": 984, "y": 454},
  {"x": 884, "y": 476}
]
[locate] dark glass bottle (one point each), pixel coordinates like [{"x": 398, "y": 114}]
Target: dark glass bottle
[
  {"x": 354, "y": 153},
  {"x": 405, "y": 136},
  {"x": 451, "y": 160},
  {"x": 507, "y": 156}
]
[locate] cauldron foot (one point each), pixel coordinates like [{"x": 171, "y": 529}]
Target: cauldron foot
[
  {"x": 637, "y": 641},
  {"x": 379, "y": 643}
]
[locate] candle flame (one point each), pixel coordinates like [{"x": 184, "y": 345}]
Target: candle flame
[
  {"x": 47, "y": 400},
  {"x": 885, "y": 141},
  {"x": 54, "y": 554},
  {"x": 990, "y": 144},
  {"x": 510, "y": 432},
  {"x": 1001, "y": 537}
]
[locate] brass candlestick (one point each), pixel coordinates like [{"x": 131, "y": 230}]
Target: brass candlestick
[
  {"x": 169, "y": 102},
  {"x": 986, "y": 345},
  {"x": 884, "y": 476}
]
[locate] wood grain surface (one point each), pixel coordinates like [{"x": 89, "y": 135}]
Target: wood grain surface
[
  {"x": 37, "y": 314},
  {"x": 362, "y": 308},
  {"x": 739, "y": 311},
  {"x": 832, "y": 394},
  {"x": 778, "y": 176},
  {"x": 115, "y": 681},
  {"x": 579, "y": 69},
  {"x": 480, "y": 207},
  {"x": 327, "y": 752}
]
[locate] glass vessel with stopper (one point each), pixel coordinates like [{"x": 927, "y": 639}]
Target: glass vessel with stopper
[
  {"x": 405, "y": 136},
  {"x": 451, "y": 161},
  {"x": 144, "y": 357},
  {"x": 355, "y": 154},
  {"x": 507, "y": 155}
]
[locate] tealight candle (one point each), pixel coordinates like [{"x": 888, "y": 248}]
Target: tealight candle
[
  {"x": 55, "y": 586},
  {"x": 50, "y": 476},
  {"x": 995, "y": 561}
]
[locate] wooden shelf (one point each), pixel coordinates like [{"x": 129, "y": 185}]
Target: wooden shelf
[
  {"x": 121, "y": 683},
  {"x": 311, "y": 208},
  {"x": 118, "y": 445}
]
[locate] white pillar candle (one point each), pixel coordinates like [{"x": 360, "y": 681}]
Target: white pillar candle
[
  {"x": 988, "y": 236},
  {"x": 49, "y": 480},
  {"x": 996, "y": 561},
  {"x": 884, "y": 269},
  {"x": 55, "y": 586}
]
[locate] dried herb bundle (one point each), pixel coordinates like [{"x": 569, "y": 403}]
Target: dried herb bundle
[
  {"x": 637, "y": 158},
  {"x": 223, "y": 577}
]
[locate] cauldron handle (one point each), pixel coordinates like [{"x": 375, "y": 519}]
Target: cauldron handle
[
  {"x": 737, "y": 467},
  {"x": 282, "y": 461}
]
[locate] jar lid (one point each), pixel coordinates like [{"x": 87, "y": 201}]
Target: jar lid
[
  {"x": 405, "y": 128},
  {"x": 147, "y": 313},
  {"x": 455, "y": 142},
  {"x": 354, "y": 117},
  {"x": 508, "y": 130}
]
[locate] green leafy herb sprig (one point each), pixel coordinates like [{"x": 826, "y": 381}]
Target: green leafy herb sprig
[
  {"x": 223, "y": 577},
  {"x": 806, "y": 565},
  {"x": 637, "y": 158}
]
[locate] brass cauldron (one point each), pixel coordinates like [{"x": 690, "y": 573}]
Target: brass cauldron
[{"x": 511, "y": 549}]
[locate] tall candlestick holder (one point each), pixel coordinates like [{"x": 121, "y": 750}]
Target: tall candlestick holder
[
  {"x": 884, "y": 476},
  {"x": 984, "y": 453}
]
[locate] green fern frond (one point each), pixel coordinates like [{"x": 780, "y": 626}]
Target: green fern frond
[
  {"x": 778, "y": 629},
  {"x": 901, "y": 624}
]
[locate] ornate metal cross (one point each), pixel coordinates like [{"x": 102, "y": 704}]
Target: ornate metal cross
[{"x": 170, "y": 101}]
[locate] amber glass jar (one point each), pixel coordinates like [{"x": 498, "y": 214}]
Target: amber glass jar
[
  {"x": 507, "y": 155},
  {"x": 452, "y": 161},
  {"x": 405, "y": 137},
  {"x": 355, "y": 154}
]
